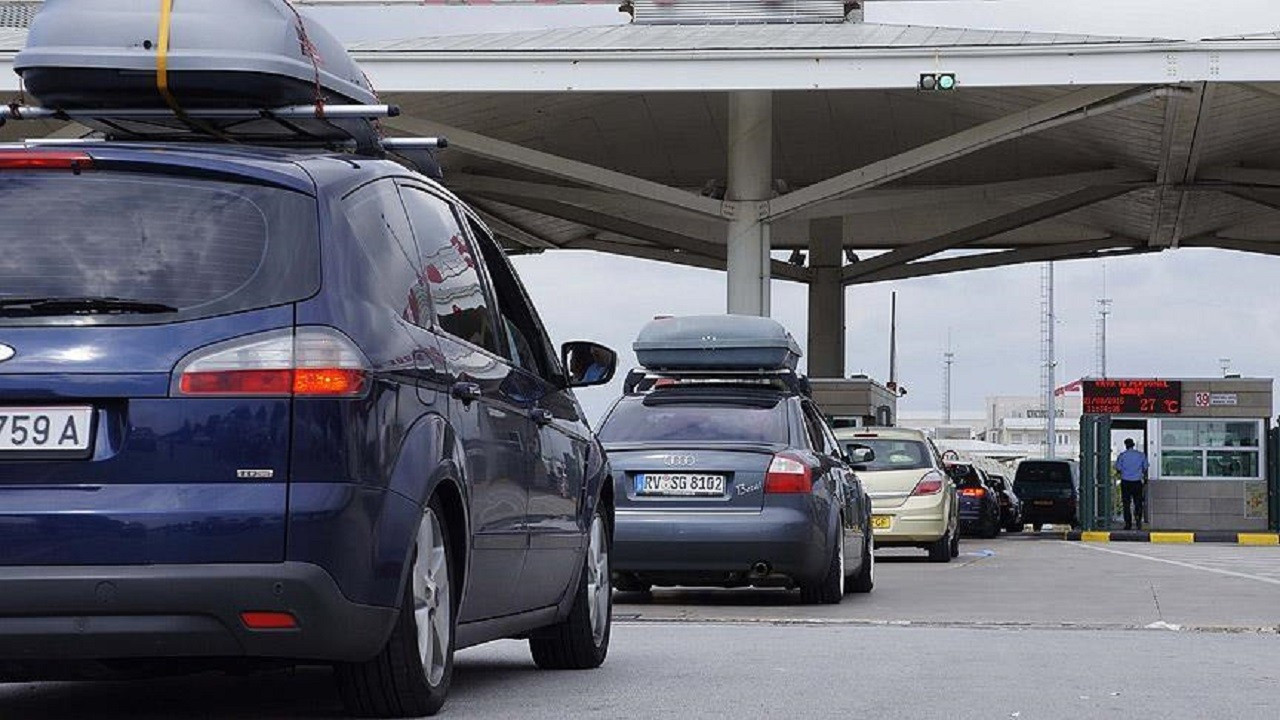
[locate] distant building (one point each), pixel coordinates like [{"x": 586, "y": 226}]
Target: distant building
[{"x": 1009, "y": 424}]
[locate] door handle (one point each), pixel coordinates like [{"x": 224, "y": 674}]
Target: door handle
[
  {"x": 467, "y": 392},
  {"x": 541, "y": 416}
]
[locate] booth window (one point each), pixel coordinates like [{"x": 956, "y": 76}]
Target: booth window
[{"x": 1212, "y": 449}]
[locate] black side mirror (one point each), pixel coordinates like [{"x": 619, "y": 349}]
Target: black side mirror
[{"x": 588, "y": 363}]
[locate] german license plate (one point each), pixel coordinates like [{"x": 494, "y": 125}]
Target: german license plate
[
  {"x": 680, "y": 485},
  {"x": 1042, "y": 502},
  {"x": 881, "y": 522},
  {"x": 45, "y": 429}
]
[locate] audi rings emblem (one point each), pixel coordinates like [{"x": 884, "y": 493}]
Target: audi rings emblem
[
  {"x": 6, "y": 352},
  {"x": 680, "y": 461}
]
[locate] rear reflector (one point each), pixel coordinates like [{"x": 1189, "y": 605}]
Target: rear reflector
[
  {"x": 788, "y": 474},
  {"x": 44, "y": 160},
  {"x": 268, "y": 620},
  {"x": 930, "y": 484},
  {"x": 311, "y": 362}
]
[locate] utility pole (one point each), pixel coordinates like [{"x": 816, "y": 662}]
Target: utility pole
[
  {"x": 948, "y": 359},
  {"x": 1104, "y": 309},
  {"x": 1225, "y": 364},
  {"x": 1048, "y": 360}
]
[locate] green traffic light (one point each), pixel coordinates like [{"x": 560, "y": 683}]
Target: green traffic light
[{"x": 946, "y": 82}]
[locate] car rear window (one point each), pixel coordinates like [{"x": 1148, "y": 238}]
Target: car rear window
[
  {"x": 893, "y": 454},
  {"x": 1040, "y": 473},
  {"x": 205, "y": 247},
  {"x": 696, "y": 420}
]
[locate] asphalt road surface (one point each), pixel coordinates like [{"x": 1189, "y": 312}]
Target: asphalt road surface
[{"x": 1022, "y": 628}]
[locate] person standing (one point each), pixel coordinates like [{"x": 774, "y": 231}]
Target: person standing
[{"x": 1132, "y": 466}]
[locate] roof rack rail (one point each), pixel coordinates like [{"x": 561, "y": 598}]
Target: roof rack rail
[
  {"x": 337, "y": 126},
  {"x": 640, "y": 380}
]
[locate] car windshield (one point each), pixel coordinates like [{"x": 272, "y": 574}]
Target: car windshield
[
  {"x": 892, "y": 454},
  {"x": 123, "y": 245},
  {"x": 696, "y": 420}
]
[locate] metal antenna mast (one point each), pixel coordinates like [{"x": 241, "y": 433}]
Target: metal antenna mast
[
  {"x": 1048, "y": 360},
  {"x": 1104, "y": 309}
]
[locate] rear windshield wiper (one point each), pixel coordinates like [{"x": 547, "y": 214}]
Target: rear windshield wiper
[{"x": 36, "y": 306}]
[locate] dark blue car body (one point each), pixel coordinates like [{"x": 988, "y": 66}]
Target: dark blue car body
[{"x": 185, "y": 512}]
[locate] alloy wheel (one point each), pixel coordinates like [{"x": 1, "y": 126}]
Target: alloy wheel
[
  {"x": 432, "y": 606},
  {"x": 599, "y": 588}
]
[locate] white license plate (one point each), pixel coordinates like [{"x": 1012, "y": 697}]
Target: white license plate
[
  {"x": 45, "y": 429},
  {"x": 680, "y": 485}
]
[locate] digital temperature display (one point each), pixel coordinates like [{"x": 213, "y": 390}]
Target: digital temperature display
[{"x": 1132, "y": 397}]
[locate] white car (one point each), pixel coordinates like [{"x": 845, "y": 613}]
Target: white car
[{"x": 913, "y": 502}]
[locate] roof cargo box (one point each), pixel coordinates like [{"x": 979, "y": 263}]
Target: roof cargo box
[
  {"x": 716, "y": 342},
  {"x": 88, "y": 54}
]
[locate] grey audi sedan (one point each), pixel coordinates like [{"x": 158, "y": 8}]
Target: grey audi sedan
[{"x": 734, "y": 484}]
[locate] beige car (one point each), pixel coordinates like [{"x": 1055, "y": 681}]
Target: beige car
[{"x": 913, "y": 502}]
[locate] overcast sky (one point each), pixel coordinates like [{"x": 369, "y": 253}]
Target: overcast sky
[{"x": 1174, "y": 314}]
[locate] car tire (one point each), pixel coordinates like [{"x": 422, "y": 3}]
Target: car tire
[
  {"x": 581, "y": 641},
  {"x": 628, "y": 583},
  {"x": 940, "y": 551},
  {"x": 865, "y": 580},
  {"x": 991, "y": 528},
  {"x": 830, "y": 589},
  {"x": 955, "y": 541},
  {"x": 401, "y": 681},
  {"x": 1037, "y": 526}
]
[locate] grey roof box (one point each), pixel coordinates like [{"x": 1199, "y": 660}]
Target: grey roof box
[
  {"x": 716, "y": 342},
  {"x": 88, "y": 54}
]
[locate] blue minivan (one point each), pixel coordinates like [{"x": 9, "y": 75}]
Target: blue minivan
[{"x": 272, "y": 406}]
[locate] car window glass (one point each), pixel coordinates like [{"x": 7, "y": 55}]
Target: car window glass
[
  {"x": 449, "y": 264},
  {"x": 525, "y": 344},
  {"x": 635, "y": 421},
  {"x": 894, "y": 454},
  {"x": 814, "y": 427},
  {"x": 378, "y": 222},
  {"x": 204, "y": 247}
]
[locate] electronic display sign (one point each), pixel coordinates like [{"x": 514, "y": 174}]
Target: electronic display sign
[{"x": 1132, "y": 397}]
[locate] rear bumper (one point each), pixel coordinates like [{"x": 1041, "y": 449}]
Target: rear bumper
[
  {"x": 917, "y": 521},
  {"x": 684, "y": 548},
  {"x": 175, "y": 611},
  {"x": 1057, "y": 511}
]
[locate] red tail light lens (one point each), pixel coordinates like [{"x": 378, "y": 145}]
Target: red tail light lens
[
  {"x": 973, "y": 491},
  {"x": 311, "y": 361},
  {"x": 44, "y": 160},
  {"x": 930, "y": 484},
  {"x": 788, "y": 474},
  {"x": 268, "y": 620}
]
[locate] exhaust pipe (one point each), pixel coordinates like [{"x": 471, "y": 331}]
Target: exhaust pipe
[{"x": 760, "y": 569}]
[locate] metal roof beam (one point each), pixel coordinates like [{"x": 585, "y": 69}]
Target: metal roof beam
[
  {"x": 510, "y": 229},
  {"x": 1221, "y": 243},
  {"x": 647, "y": 252},
  {"x": 1072, "y": 107},
  {"x": 1263, "y": 177},
  {"x": 1057, "y": 251},
  {"x": 555, "y": 165},
  {"x": 987, "y": 228},
  {"x": 903, "y": 198},
  {"x": 1179, "y": 157},
  {"x": 663, "y": 239}
]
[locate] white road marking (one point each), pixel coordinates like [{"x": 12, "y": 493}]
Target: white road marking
[{"x": 1180, "y": 563}]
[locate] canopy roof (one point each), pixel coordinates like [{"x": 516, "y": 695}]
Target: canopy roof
[{"x": 1052, "y": 146}]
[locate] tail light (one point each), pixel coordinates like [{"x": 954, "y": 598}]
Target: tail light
[
  {"x": 973, "y": 491},
  {"x": 930, "y": 484},
  {"x": 788, "y": 474},
  {"x": 44, "y": 160},
  {"x": 311, "y": 361}
]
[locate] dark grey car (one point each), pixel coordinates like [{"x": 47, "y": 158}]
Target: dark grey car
[{"x": 734, "y": 485}]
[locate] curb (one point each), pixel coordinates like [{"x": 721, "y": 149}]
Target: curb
[{"x": 1212, "y": 536}]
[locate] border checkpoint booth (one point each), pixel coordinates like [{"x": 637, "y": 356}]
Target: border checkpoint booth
[{"x": 1211, "y": 447}]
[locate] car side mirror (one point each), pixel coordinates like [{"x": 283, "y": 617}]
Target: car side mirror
[{"x": 587, "y": 363}]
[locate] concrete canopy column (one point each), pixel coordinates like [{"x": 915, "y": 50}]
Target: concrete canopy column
[
  {"x": 826, "y": 299},
  {"x": 750, "y": 181}
]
